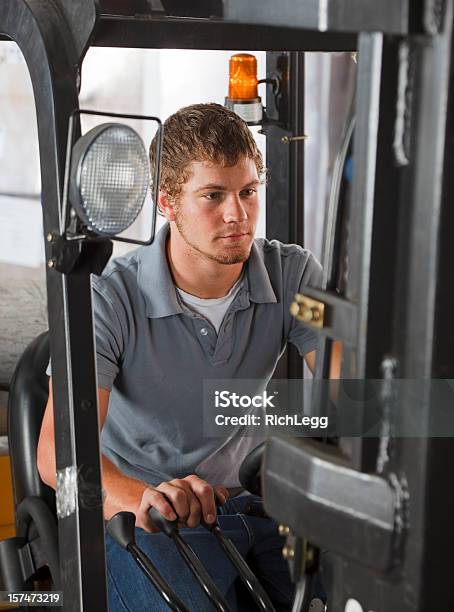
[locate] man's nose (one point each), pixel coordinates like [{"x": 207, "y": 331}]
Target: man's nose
[{"x": 234, "y": 210}]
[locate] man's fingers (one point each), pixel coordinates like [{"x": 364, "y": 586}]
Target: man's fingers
[
  {"x": 152, "y": 498},
  {"x": 195, "y": 509},
  {"x": 179, "y": 498},
  {"x": 191, "y": 497},
  {"x": 205, "y": 494},
  {"x": 196, "y": 512},
  {"x": 221, "y": 494}
]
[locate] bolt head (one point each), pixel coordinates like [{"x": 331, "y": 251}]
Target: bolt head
[
  {"x": 288, "y": 552},
  {"x": 294, "y": 309},
  {"x": 307, "y": 314}
]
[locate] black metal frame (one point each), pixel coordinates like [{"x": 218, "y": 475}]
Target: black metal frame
[
  {"x": 401, "y": 164},
  {"x": 214, "y": 34},
  {"x": 285, "y": 165},
  {"x": 49, "y": 48}
]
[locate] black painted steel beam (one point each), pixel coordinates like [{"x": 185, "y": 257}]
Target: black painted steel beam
[
  {"x": 45, "y": 39},
  {"x": 148, "y": 32},
  {"x": 387, "y": 16},
  {"x": 285, "y": 164}
]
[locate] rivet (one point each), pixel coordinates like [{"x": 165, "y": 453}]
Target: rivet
[
  {"x": 283, "y": 530},
  {"x": 288, "y": 552}
]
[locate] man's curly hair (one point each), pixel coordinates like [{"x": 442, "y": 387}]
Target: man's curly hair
[{"x": 204, "y": 133}]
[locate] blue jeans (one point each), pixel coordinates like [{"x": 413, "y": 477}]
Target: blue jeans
[{"x": 256, "y": 538}]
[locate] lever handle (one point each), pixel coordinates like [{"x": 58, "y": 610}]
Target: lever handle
[
  {"x": 121, "y": 529},
  {"x": 170, "y": 528}
]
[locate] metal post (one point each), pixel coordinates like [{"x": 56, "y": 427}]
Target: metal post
[
  {"x": 285, "y": 162},
  {"x": 46, "y": 42}
]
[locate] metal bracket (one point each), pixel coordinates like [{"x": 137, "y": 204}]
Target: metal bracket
[
  {"x": 310, "y": 487},
  {"x": 302, "y": 558},
  {"x": 327, "y": 313},
  {"x": 308, "y": 310},
  {"x": 64, "y": 253},
  {"x": 277, "y": 107}
]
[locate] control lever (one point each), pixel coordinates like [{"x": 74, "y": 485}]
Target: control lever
[
  {"x": 170, "y": 528},
  {"x": 121, "y": 528},
  {"x": 247, "y": 576}
]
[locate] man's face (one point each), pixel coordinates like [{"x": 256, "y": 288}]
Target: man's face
[{"x": 216, "y": 213}]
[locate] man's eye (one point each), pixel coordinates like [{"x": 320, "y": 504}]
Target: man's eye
[
  {"x": 248, "y": 192},
  {"x": 213, "y": 195}
]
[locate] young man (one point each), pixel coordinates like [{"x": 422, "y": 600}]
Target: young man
[{"x": 204, "y": 301}]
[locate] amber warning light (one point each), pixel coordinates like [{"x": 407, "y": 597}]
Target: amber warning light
[{"x": 243, "y": 98}]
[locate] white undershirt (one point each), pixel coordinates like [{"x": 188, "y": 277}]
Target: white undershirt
[
  {"x": 221, "y": 467},
  {"x": 211, "y": 309}
]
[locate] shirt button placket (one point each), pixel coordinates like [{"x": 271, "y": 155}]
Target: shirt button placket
[{"x": 207, "y": 340}]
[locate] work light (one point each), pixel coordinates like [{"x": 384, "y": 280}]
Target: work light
[{"x": 109, "y": 178}]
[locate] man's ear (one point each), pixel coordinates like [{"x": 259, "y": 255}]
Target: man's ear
[{"x": 166, "y": 205}]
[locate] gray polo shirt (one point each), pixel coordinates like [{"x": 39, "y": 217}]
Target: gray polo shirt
[{"x": 154, "y": 353}]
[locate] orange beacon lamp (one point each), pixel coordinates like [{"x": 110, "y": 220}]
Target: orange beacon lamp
[{"x": 243, "y": 98}]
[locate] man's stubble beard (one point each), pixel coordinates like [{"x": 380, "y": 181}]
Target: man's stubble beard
[{"x": 222, "y": 258}]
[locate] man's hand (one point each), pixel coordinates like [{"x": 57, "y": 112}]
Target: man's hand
[{"x": 191, "y": 497}]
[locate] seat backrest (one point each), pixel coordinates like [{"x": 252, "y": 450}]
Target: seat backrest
[{"x": 27, "y": 401}]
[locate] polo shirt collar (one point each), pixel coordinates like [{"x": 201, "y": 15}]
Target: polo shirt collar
[
  {"x": 260, "y": 289},
  {"x": 155, "y": 280},
  {"x": 157, "y": 286}
]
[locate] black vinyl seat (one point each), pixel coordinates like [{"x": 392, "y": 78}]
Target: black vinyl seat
[
  {"x": 27, "y": 401},
  {"x": 34, "y": 551}
]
